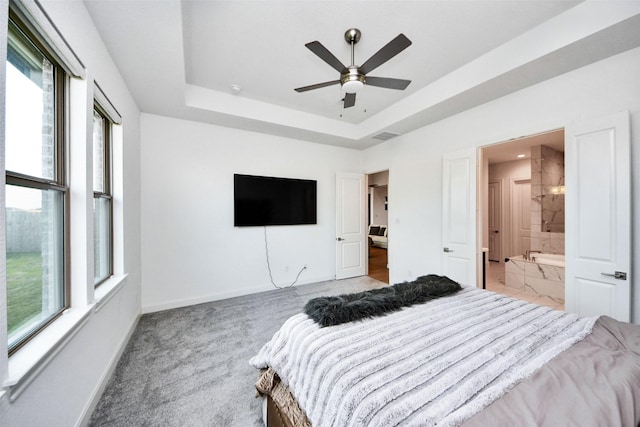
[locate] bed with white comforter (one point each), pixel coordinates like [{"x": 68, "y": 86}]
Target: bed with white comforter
[{"x": 438, "y": 363}]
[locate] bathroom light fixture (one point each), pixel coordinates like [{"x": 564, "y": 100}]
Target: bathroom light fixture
[{"x": 520, "y": 156}]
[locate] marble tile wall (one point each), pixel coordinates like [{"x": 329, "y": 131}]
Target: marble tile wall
[
  {"x": 550, "y": 243},
  {"x": 534, "y": 278},
  {"x": 552, "y": 177},
  {"x": 536, "y": 188},
  {"x": 514, "y": 273},
  {"x": 547, "y": 209}
]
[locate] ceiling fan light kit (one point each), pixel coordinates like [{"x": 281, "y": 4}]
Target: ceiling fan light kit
[
  {"x": 352, "y": 86},
  {"x": 353, "y": 78}
]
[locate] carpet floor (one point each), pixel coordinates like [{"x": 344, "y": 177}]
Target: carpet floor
[{"x": 189, "y": 366}]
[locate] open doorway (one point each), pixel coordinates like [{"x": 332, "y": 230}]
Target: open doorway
[
  {"x": 377, "y": 225},
  {"x": 522, "y": 193}
]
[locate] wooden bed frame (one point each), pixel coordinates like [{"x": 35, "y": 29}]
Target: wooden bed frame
[{"x": 275, "y": 417}]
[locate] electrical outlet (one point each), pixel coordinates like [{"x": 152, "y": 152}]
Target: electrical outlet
[{"x": 286, "y": 268}]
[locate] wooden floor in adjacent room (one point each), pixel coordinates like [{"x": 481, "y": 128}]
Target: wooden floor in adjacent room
[{"x": 378, "y": 264}]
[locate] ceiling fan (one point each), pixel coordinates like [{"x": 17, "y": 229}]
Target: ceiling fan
[{"x": 353, "y": 77}]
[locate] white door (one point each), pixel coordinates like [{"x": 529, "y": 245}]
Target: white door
[
  {"x": 598, "y": 217},
  {"x": 494, "y": 221},
  {"x": 350, "y": 225},
  {"x": 520, "y": 216},
  {"x": 459, "y": 216}
]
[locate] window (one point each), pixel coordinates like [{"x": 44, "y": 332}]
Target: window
[
  {"x": 37, "y": 290},
  {"x": 102, "y": 198}
]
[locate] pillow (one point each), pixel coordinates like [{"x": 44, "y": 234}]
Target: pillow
[
  {"x": 381, "y": 232},
  {"x": 373, "y": 231}
]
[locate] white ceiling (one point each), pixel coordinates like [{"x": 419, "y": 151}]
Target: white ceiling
[
  {"x": 260, "y": 45},
  {"x": 180, "y": 58}
]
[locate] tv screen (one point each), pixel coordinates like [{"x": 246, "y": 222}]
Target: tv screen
[{"x": 263, "y": 200}]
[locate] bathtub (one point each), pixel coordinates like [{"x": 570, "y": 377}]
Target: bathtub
[
  {"x": 548, "y": 259},
  {"x": 543, "y": 274}
]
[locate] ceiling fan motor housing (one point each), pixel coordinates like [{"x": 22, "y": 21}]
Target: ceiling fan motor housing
[{"x": 352, "y": 79}]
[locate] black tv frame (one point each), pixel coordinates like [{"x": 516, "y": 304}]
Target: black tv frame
[{"x": 270, "y": 201}]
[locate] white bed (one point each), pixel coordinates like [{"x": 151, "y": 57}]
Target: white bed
[{"x": 441, "y": 362}]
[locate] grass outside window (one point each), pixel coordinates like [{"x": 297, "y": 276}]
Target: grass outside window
[{"x": 24, "y": 288}]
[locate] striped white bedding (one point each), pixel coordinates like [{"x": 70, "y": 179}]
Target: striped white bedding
[{"x": 434, "y": 363}]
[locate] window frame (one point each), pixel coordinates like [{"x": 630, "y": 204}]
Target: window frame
[
  {"x": 59, "y": 182},
  {"x": 107, "y": 193}
]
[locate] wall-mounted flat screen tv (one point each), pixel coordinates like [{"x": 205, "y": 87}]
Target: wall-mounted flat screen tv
[{"x": 263, "y": 200}]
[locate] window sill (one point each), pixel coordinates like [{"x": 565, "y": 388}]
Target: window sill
[
  {"x": 27, "y": 363},
  {"x": 33, "y": 357},
  {"x": 108, "y": 289}
]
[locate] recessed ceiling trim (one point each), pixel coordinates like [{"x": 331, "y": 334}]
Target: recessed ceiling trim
[
  {"x": 584, "y": 20},
  {"x": 225, "y": 103},
  {"x": 572, "y": 39}
]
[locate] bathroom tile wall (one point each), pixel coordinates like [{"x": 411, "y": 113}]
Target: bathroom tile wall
[
  {"x": 552, "y": 177},
  {"x": 536, "y": 188},
  {"x": 550, "y": 243},
  {"x": 547, "y": 171}
]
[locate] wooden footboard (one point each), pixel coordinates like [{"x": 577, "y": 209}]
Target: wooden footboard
[
  {"x": 275, "y": 417},
  {"x": 282, "y": 408}
]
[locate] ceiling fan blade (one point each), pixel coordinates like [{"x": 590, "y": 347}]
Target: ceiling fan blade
[
  {"x": 324, "y": 54},
  {"x": 387, "y": 82},
  {"x": 390, "y": 50},
  {"x": 349, "y": 100},
  {"x": 316, "y": 86}
]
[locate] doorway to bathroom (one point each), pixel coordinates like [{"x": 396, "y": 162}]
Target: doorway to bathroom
[
  {"x": 522, "y": 196},
  {"x": 378, "y": 225}
]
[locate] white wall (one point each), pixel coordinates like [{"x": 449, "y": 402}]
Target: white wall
[
  {"x": 64, "y": 391},
  {"x": 191, "y": 252},
  {"x": 505, "y": 173},
  {"x": 380, "y": 215},
  {"x": 415, "y": 160}
]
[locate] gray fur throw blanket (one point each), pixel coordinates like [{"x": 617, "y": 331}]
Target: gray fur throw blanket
[{"x": 330, "y": 311}]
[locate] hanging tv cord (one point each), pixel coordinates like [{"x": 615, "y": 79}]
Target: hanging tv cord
[{"x": 266, "y": 250}]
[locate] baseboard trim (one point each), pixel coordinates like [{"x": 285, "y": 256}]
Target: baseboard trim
[
  {"x": 221, "y": 295},
  {"x": 85, "y": 417}
]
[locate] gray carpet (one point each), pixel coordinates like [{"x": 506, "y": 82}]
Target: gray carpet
[{"x": 189, "y": 366}]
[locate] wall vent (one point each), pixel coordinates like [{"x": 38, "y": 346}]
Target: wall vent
[{"x": 385, "y": 136}]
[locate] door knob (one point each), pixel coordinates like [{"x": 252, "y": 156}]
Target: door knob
[
  {"x": 339, "y": 239},
  {"x": 447, "y": 250}
]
